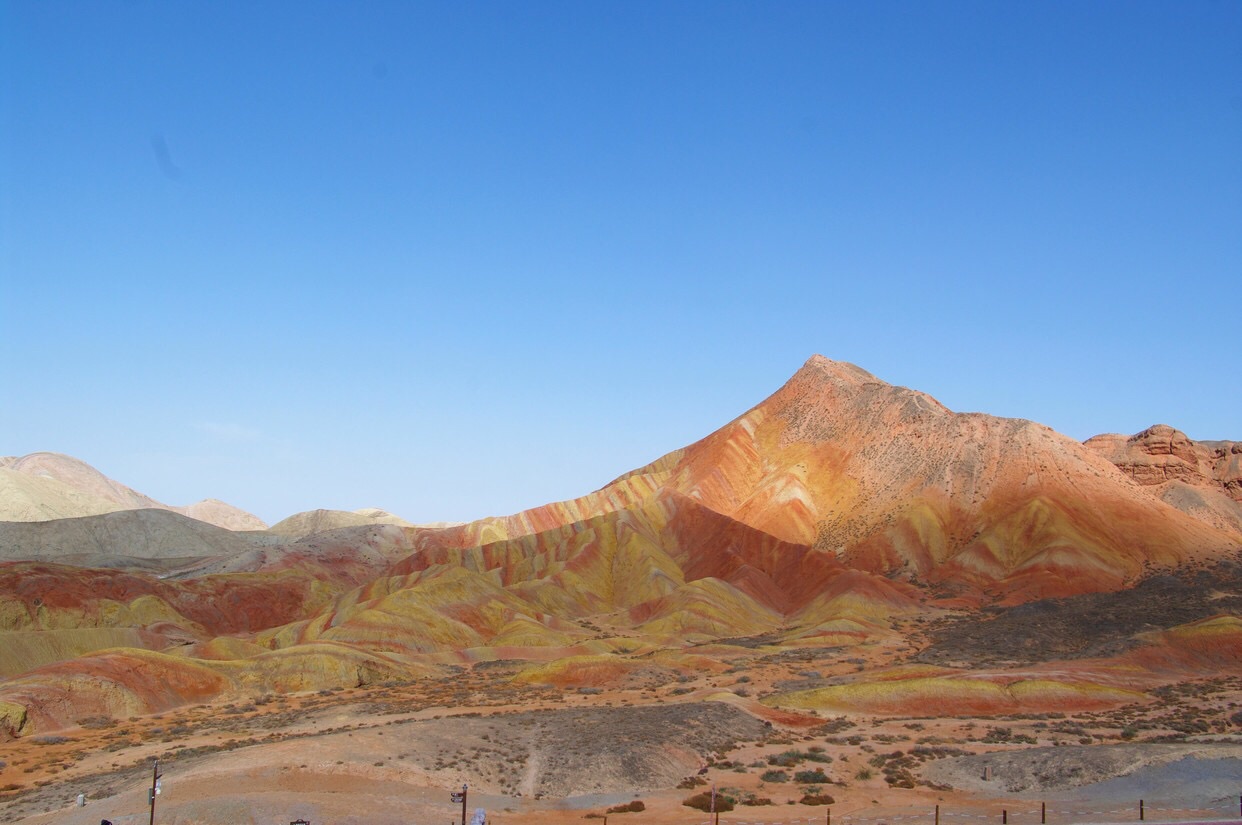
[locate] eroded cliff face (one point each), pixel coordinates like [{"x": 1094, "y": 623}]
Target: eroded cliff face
[
  {"x": 1161, "y": 453},
  {"x": 1201, "y": 478}
]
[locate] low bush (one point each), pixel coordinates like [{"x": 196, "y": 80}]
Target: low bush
[
  {"x": 703, "y": 802},
  {"x": 788, "y": 759},
  {"x": 97, "y": 722}
]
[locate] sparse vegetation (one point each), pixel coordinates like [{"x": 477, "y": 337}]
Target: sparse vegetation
[
  {"x": 810, "y": 777},
  {"x": 704, "y": 802}
]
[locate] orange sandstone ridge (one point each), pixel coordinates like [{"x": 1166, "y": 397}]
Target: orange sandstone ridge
[{"x": 840, "y": 514}]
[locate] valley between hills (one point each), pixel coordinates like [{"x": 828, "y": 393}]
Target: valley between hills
[{"x": 849, "y": 599}]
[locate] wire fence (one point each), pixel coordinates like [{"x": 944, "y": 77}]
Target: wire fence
[{"x": 1058, "y": 813}]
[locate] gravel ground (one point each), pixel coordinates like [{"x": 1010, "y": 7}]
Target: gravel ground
[{"x": 1184, "y": 774}]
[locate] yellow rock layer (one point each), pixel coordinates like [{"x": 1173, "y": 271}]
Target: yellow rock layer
[
  {"x": 21, "y": 651},
  {"x": 949, "y": 695}
]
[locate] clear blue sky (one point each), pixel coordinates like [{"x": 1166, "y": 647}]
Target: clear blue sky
[{"x": 460, "y": 259}]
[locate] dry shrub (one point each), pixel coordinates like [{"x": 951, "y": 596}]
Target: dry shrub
[
  {"x": 703, "y": 802},
  {"x": 810, "y": 777}
]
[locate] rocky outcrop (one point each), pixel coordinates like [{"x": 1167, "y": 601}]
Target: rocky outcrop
[
  {"x": 1161, "y": 453},
  {"x": 1201, "y": 478}
]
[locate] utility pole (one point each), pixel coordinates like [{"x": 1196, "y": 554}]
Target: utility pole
[{"x": 155, "y": 789}]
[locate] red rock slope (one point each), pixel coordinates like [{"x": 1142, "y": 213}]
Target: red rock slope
[{"x": 889, "y": 481}]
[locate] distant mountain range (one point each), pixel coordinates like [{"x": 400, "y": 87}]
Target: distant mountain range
[
  {"x": 49, "y": 486},
  {"x": 46, "y": 486},
  {"x": 840, "y": 512}
]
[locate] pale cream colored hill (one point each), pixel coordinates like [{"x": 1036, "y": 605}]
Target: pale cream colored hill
[
  {"x": 40, "y": 498},
  {"x": 384, "y": 517},
  {"x": 80, "y": 476},
  {"x": 46, "y": 486},
  {"x": 222, "y": 514},
  {"x": 300, "y": 525}
]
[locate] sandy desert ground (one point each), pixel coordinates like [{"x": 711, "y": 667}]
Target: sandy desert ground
[{"x": 535, "y": 754}]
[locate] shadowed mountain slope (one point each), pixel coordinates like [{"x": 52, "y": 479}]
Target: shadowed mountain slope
[{"x": 124, "y": 537}]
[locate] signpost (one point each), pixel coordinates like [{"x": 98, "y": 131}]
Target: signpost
[
  {"x": 155, "y": 789},
  {"x": 460, "y": 797}
]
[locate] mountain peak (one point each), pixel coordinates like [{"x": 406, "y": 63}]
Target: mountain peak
[
  {"x": 825, "y": 398},
  {"x": 819, "y": 366}
]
